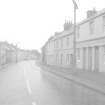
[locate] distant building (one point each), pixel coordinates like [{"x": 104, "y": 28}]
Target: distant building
[
  {"x": 90, "y": 44},
  {"x": 28, "y": 54},
  {"x": 7, "y": 53}
]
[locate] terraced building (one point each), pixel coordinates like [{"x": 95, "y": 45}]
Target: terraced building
[{"x": 90, "y": 44}]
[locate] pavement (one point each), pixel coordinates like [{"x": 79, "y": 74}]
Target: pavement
[{"x": 94, "y": 80}]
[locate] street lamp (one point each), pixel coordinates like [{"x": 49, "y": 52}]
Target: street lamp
[{"x": 74, "y": 38}]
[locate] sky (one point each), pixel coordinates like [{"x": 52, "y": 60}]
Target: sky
[{"x": 29, "y": 23}]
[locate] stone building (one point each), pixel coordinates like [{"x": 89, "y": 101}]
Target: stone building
[
  {"x": 7, "y": 53},
  {"x": 90, "y": 44},
  {"x": 58, "y": 49}
]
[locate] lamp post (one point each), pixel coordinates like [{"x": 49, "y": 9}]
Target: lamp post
[{"x": 74, "y": 38}]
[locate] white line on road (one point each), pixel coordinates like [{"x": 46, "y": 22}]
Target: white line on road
[
  {"x": 28, "y": 85},
  {"x": 33, "y": 103}
]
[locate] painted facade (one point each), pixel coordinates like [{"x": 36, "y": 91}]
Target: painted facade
[{"x": 90, "y": 44}]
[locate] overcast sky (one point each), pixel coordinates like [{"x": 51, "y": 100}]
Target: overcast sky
[{"x": 29, "y": 23}]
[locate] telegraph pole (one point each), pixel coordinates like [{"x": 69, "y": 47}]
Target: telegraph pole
[{"x": 74, "y": 38}]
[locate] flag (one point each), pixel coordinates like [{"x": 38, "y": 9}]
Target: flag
[{"x": 75, "y": 4}]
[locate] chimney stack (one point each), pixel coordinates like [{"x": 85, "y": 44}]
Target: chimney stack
[
  {"x": 91, "y": 13},
  {"x": 67, "y": 25}
]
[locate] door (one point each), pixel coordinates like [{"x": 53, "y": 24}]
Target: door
[
  {"x": 90, "y": 59},
  {"x": 96, "y": 59},
  {"x": 71, "y": 60},
  {"x": 84, "y": 58},
  {"x": 61, "y": 59}
]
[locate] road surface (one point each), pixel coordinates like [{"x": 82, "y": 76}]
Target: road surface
[{"x": 25, "y": 83}]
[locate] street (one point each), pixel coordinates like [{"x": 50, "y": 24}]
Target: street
[{"x": 25, "y": 83}]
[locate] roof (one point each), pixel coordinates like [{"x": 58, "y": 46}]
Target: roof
[
  {"x": 69, "y": 32},
  {"x": 99, "y": 13}
]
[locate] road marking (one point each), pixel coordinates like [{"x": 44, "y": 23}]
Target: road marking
[
  {"x": 27, "y": 83},
  {"x": 28, "y": 87},
  {"x": 33, "y": 103}
]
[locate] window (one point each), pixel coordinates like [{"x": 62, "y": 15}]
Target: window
[
  {"x": 49, "y": 44},
  {"x": 58, "y": 43},
  {"x": 91, "y": 25},
  {"x": 61, "y": 42},
  {"x": 61, "y": 58},
  {"x": 104, "y": 53},
  {"x": 67, "y": 59},
  {"x": 103, "y": 23},
  {"x": 56, "y": 58},
  {"x": 78, "y": 55},
  {"x": 104, "y": 49},
  {"x": 78, "y": 31},
  {"x": 67, "y": 41},
  {"x": 54, "y": 43}
]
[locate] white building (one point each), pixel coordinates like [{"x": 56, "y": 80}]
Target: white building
[{"x": 90, "y": 44}]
